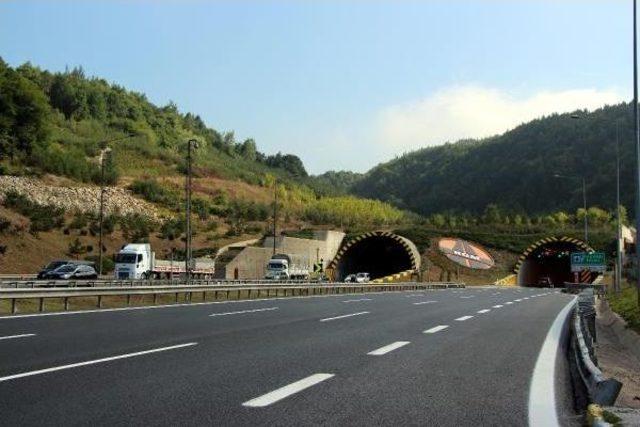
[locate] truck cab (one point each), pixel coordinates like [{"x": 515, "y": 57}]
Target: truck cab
[
  {"x": 277, "y": 269},
  {"x": 134, "y": 261}
]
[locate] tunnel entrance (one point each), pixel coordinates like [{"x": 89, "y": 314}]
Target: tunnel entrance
[
  {"x": 547, "y": 262},
  {"x": 378, "y": 253}
]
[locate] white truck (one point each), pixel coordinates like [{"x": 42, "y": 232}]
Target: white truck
[
  {"x": 288, "y": 267},
  {"x": 138, "y": 261}
]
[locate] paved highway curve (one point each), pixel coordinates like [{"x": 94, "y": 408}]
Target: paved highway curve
[{"x": 436, "y": 357}]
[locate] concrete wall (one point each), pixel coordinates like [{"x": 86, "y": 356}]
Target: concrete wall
[{"x": 251, "y": 261}]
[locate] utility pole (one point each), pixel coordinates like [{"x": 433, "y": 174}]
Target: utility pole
[
  {"x": 275, "y": 212},
  {"x": 192, "y": 143},
  {"x": 637, "y": 143}
]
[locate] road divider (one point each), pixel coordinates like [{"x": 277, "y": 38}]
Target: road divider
[
  {"x": 205, "y": 292},
  {"x": 286, "y": 391},
  {"x": 94, "y": 362}
]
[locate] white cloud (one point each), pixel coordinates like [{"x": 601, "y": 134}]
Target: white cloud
[{"x": 474, "y": 112}]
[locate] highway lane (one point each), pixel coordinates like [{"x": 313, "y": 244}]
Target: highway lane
[{"x": 246, "y": 355}]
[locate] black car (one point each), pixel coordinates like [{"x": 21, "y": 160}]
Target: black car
[{"x": 72, "y": 271}]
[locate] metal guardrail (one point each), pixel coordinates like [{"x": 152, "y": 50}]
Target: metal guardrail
[
  {"x": 600, "y": 390},
  {"x": 576, "y": 288},
  {"x": 264, "y": 290}
]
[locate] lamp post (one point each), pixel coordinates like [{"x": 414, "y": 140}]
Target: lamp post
[
  {"x": 584, "y": 202},
  {"x": 618, "y": 218},
  {"x": 191, "y": 144}
]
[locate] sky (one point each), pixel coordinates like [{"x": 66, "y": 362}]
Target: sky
[{"x": 342, "y": 84}]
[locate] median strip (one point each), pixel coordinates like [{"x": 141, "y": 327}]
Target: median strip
[
  {"x": 286, "y": 391},
  {"x": 463, "y": 318},
  {"x": 10, "y": 337},
  {"x": 328, "y": 319},
  {"x": 435, "y": 329},
  {"x": 243, "y": 311},
  {"x": 388, "y": 348},
  {"x": 94, "y": 362}
]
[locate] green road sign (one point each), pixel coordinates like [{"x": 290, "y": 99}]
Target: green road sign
[{"x": 592, "y": 261}]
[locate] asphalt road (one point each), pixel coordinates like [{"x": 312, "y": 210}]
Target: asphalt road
[{"x": 437, "y": 357}]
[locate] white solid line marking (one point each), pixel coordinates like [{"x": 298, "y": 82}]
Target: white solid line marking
[
  {"x": 388, "y": 348},
  {"x": 286, "y": 391},
  {"x": 486, "y": 310},
  {"x": 542, "y": 393},
  {"x": 471, "y": 296},
  {"x": 358, "y": 300},
  {"x": 463, "y": 318},
  {"x": 93, "y": 362},
  {"x": 435, "y": 329},
  {"x": 343, "y": 316},
  {"x": 424, "y": 302},
  {"x": 498, "y": 306},
  {"x": 243, "y": 311},
  {"x": 17, "y": 336},
  {"x": 509, "y": 302}
]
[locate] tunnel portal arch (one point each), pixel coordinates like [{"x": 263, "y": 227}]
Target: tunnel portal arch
[
  {"x": 549, "y": 259},
  {"x": 379, "y": 253}
]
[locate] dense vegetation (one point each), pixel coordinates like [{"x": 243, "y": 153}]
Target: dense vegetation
[{"x": 515, "y": 171}]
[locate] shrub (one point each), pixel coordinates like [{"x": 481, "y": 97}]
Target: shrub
[
  {"x": 136, "y": 227},
  {"x": 107, "y": 263},
  {"x": 42, "y": 217},
  {"x": 152, "y": 191},
  {"x": 172, "y": 229},
  {"x": 5, "y": 224}
]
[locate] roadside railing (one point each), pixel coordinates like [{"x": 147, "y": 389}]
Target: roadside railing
[
  {"x": 576, "y": 288},
  {"x": 212, "y": 291},
  {"x": 599, "y": 389}
]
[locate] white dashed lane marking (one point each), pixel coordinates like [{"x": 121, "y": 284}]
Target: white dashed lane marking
[
  {"x": 436, "y": 329},
  {"x": 463, "y": 318},
  {"x": 328, "y": 319},
  {"x": 486, "y": 310},
  {"x": 286, "y": 391},
  {"x": 388, "y": 348}
]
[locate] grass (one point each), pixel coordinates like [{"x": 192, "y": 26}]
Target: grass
[{"x": 626, "y": 305}]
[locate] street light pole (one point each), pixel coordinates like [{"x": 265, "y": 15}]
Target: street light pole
[
  {"x": 275, "y": 212},
  {"x": 637, "y": 142},
  {"x": 192, "y": 143},
  {"x": 102, "y": 190},
  {"x": 619, "y": 219}
]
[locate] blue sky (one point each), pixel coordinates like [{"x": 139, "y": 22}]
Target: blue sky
[{"x": 342, "y": 84}]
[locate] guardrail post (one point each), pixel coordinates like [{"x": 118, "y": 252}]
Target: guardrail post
[
  {"x": 128, "y": 299},
  {"x": 99, "y": 301},
  {"x": 13, "y": 306},
  {"x": 41, "y": 308},
  {"x": 176, "y": 297},
  {"x": 155, "y": 298},
  {"x": 66, "y": 303},
  {"x": 238, "y": 294},
  {"x": 204, "y": 295}
]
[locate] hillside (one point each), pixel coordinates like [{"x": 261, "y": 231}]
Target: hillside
[
  {"x": 514, "y": 171},
  {"x": 54, "y": 128}
]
